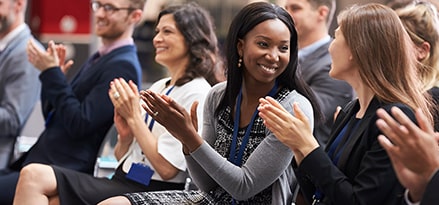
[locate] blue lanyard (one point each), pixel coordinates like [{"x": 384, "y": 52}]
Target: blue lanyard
[
  {"x": 318, "y": 194},
  {"x": 151, "y": 123},
  {"x": 237, "y": 160}
]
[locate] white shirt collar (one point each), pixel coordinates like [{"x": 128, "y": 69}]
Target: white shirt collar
[
  {"x": 313, "y": 47},
  {"x": 10, "y": 36}
]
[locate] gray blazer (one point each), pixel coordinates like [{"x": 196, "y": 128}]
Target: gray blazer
[
  {"x": 329, "y": 92},
  {"x": 19, "y": 91}
]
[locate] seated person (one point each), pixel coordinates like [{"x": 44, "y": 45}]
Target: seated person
[
  {"x": 149, "y": 156},
  {"x": 237, "y": 159}
]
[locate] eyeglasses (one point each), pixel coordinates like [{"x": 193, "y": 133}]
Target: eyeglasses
[{"x": 108, "y": 8}]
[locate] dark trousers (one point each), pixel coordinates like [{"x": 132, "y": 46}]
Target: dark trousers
[{"x": 8, "y": 183}]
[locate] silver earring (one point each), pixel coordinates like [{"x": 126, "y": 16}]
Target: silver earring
[{"x": 239, "y": 62}]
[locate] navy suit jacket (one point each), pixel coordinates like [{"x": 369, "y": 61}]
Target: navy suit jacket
[
  {"x": 329, "y": 92},
  {"x": 431, "y": 195},
  {"x": 82, "y": 111},
  {"x": 363, "y": 174}
]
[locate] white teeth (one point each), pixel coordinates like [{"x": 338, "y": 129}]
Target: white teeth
[
  {"x": 100, "y": 23},
  {"x": 160, "y": 49},
  {"x": 269, "y": 68}
]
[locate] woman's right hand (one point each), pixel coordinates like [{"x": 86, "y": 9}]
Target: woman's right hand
[{"x": 174, "y": 118}]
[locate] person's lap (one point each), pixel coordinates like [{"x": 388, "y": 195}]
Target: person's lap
[{"x": 79, "y": 188}]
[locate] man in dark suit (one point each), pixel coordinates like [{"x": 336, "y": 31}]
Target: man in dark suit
[
  {"x": 414, "y": 153},
  {"x": 79, "y": 113},
  {"x": 312, "y": 20}
]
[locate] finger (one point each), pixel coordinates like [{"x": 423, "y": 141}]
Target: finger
[
  {"x": 424, "y": 123},
  {"x": 269, "y": 114},
  {"x": 145, "y": 98},
  {"x": 133, "y": 87},
  {"x": 273, "y": 118},
  {"x": 386, "y": 143},
  {"x": 337, "y": 111},
  {"x": 272, "y": 110},
  {"x": 120, "y": 88},
  {"x": 31, "y": 48},
  {"x": 67, "y": 66},
  {"x": 61, "y": 53},
  {"x": 391, "y": 149},
  {"x": 194, "y": 117},
  {"x": 112, "y": 90},
  {"x": 263, "y": 101},
  {"x": 153, "y": 102},
  {"x": 52, "y": 49},
  {"x": 402, "y": 118},
  {"x": 299, "y": 113},
  {"x": 389, "y": 126},
  {"x": 174, "y": 105},
  {"x": 275, "y": 103},
  {"x": 126, "y": 87}
]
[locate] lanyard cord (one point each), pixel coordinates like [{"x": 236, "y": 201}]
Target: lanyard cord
[{"x": 237, "y": 159}]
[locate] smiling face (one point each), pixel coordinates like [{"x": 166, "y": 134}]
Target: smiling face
[
  {"x": 305, "y": 16},
  {"x": 113, "y": 25},
  {"x": 170, "y": 43},
  {"x": 265, "y": 51}
]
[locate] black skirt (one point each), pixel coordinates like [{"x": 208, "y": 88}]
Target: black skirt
[{"x": 80, "y": 188}]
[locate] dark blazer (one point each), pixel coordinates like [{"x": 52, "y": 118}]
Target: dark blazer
[
  {"x": 431, "y": 196},
  {"x": 82, "y": 111},
  {"x": 329, "y": 92},
  {"x": 363, "y": 174}
]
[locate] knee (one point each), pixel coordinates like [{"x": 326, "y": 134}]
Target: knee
[
  {"x": 33, "y": 173},
  {"x": 117, "y": 200}
]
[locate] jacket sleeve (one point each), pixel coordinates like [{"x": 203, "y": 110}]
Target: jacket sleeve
[{"x": 83, "y": 116}]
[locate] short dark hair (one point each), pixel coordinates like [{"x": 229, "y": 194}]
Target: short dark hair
[
  {"x": 331, "y": 4},
  {"x": 137, "y": 4}
]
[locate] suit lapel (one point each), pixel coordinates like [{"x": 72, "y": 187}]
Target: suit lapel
[
  {"x": 84, "y": 74},
  {"x": 342, "y": 119},
  {"x": 22, "y": 36},
  {"x": 308, "y": 61},
  {"x": 359, "y": 132}
]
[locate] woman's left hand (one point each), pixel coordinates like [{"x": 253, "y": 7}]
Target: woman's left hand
[{"x": 293, "y": 131}]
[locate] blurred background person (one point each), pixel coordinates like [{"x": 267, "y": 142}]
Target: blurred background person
[
  {"x": 414, "y": 152},
  {"x": 313, "y": 18},
  {"x": 19, "y": 84},
  {"x": 232, "y": 161},
  {"x": 372, "y": 52},
  {"x": 421, "y": 22},
  {"x": 79, "y": 113},
  {"x": 150, "y": 157}
]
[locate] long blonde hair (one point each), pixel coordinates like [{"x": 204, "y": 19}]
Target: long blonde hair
[
  {"x": 422, "y": 24},
  {"x": 383, "y": 50}
]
